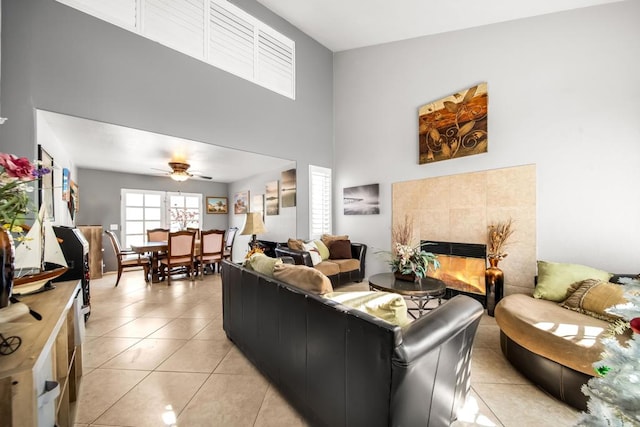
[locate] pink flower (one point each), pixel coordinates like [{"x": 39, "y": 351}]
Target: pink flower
[{"x": 17, "y": 167}]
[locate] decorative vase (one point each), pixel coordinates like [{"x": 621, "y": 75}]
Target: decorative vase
[
  {"x": 6, "y": 266},
  {"x": 406, "y": 277},
  {"x": 494, "y": 280}
]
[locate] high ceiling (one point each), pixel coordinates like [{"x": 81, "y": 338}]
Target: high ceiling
[
  {"x": 104, "y": 146},
  {"x": 348, "y": 24}
]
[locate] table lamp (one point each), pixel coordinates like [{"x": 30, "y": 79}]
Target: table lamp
[{"x": 253, "y": 225}]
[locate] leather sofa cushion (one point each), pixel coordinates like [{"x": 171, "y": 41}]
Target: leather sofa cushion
[
  {"x": 387, "y": 306},
  {"x": 303, "y": 277},
  {"x": 544, "y": 327},
  {"x": 328, "y": 268},
  {"x": 340, "y": 249},
  {"x": 345, "y": 265}
]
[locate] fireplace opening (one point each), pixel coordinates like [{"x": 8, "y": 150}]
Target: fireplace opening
[{"x": 462, "y": 267}]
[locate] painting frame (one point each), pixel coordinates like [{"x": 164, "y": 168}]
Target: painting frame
[
  {"x": 272, "y": 198},
  {"x": 45, "y": 184},
  {"x": 455, "y": 126},
  {"x": 217, "y": 205},
  {"x": 288, "y": 188},
  {"x": 257, "y": 204},
  {"x": 361, "y": 200},
  {"x": 241, "y": 202}
]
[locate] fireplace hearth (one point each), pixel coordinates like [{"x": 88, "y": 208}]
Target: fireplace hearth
[{"x": 462, "y": 267}]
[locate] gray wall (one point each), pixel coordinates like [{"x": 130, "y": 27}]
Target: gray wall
[
  {"x": 103, "y": 206},
  {"x": 59, "y": 59},
  {"x": 563, "y": 94}
]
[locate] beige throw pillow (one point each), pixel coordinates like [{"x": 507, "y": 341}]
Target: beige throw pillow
[
  {"x": 303, "y": 277},
  {"x": 295, "y": 244},
  {"x": 327, "y": 239},
  {"x": 593, "y": 297},
  {"x": 384, "y": 305},
  {"x": 263, "y": 264}
]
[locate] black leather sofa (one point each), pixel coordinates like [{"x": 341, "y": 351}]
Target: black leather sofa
[
  {"x": 358, "y": 252},
  {"x": 342, "y": 367}
]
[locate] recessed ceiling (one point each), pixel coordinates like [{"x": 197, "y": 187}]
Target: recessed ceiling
[
  {"x": 103, "y": 146},
  {"x": 348, "y": 24}
]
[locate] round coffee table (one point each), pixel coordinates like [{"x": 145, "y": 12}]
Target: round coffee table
[{"x": 420, "y": 292}]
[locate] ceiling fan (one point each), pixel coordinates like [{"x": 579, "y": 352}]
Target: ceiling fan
[{"x": 179, "y": 172}]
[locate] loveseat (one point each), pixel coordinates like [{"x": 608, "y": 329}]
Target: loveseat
[
  {"x": 553, "y": 346},
  {"x": 343, "y": 367},
  {"x": 339, "y": 271}
]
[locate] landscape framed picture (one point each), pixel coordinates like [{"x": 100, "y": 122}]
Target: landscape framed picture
[
  {"x": 272, "y": 200},
  {"x": 241, "y": 202},
  {"x": 362, "y": 200},
  {"x": 217, "y": 205}
]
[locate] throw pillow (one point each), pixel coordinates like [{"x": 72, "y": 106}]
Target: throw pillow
[
  {"x": 555, "y": 278},
  {"x": 384, "y": 305},
  {"x": 323, "y": 249},
  {"x": 263, "y": 264},
  {"x": 328, "y": 239},
  {"x": 340, "y": 249},
  {"x": 593, "y": 297},
  {"x": 295, "y": 244},
  {"x": 313, "y": 251},
  {"x": 303, "y": 277}
]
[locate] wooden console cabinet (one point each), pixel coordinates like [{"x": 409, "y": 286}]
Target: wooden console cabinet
[
  {"x": 50, "y": 358},
  {"x": 93, "y": 234}
]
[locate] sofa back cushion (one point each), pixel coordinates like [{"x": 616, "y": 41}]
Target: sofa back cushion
[
  {"x": 295, "y": 244},
  {"x": 555, "y": 278},
  {"x": 340, "y": 249},
  {"x": 328, "y": 239},
  {"x": 303, "y": 277}
]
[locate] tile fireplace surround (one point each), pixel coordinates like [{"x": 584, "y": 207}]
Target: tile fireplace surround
[{"x": 459, "y": 208}]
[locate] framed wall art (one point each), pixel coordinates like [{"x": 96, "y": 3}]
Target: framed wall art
[
  {"x": 217, "y": 205},
  {"x": 455, "y": 126},
  {"x": 257, "y": 204},
  {"x": 271, "y": 198},
  {"x": 362, "y": 200},
  {"x": 288, "y": 189},
  {"x": 241, "y": 203}
]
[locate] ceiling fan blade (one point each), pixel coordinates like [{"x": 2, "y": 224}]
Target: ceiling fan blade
[
  {"x": 161, "y": 170},
  {"x": 202, "y": 176}
]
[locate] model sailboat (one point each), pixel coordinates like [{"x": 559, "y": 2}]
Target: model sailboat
[{"x": 39, "y": 247}]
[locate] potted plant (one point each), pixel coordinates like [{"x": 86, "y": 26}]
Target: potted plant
[{"x": 410, "y": 262}]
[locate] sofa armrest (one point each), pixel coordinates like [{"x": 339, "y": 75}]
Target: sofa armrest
[
  {"x": 359, "y": 252},
  {"x": 299, "y": 257}
]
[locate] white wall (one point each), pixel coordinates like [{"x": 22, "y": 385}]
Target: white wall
[{"x": 563, "y": 94}]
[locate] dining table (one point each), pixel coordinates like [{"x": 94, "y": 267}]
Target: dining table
[{"x": 155, "y": 249}]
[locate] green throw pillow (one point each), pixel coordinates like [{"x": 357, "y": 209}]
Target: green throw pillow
[
  {"x": 323, "y": 249},
  {"x": 264, "y": 264},
  {"x": 554, "y": 279}
]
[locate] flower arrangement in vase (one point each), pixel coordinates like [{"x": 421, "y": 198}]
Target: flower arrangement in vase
[
  {"x": 410, "y": 262},
  {"x": 497, "y": 237}
]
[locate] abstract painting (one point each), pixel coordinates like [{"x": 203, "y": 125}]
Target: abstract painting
[
  {"x": 288, "y": 189},
  {"x": 362, "y": 200},
  {"x": 271, "y": 198},
  {"x": 455, "y": 126}
]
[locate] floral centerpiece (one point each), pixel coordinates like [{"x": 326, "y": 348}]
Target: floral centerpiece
[
  {"x": 410, "y": 262},
  {"x": 16, "y": 177}
]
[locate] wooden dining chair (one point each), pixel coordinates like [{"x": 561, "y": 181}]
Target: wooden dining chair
[
  {"x": 180, "y": 253},
  {"x": 228, "y": 243},
  {"x": 195, "y": 230},
  {"x": 128, "y": 258},
  {"x": 211, "y": 250},
  {"x": 158, "y": 235}
]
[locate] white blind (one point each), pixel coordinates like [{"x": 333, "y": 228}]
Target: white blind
[
  {"x": 320, "y": 201},
  {"x": 178, "y": 24},
  {"x": 231, "y": 41},
  {"x": 214, "y": 31}
]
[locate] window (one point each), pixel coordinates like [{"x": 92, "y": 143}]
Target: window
[
  {"x": 319, "y": 201},
  {"x": 214, "y": 31},
  {"x": 144, "y": 210}
]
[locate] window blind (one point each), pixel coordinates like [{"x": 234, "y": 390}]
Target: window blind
[{"x": 320, "y": 201}]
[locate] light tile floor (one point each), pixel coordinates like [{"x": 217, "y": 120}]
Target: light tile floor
[{"x": 156, "y": 355}]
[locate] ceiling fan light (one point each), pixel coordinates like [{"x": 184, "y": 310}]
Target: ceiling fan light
[{"x": 179, "y": 176}]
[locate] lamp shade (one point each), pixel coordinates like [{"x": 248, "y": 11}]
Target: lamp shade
[{"x": 253, "y": 224}]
